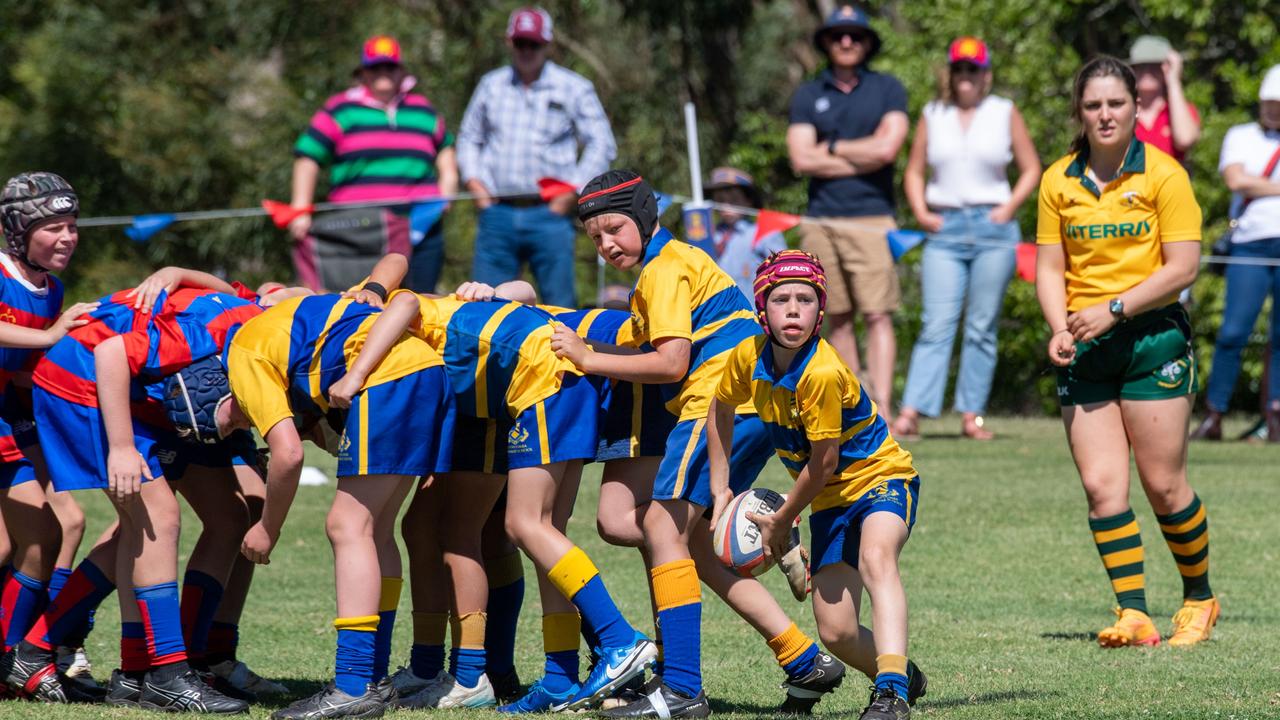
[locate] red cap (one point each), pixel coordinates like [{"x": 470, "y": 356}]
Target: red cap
[
  {"x": 380, "y": 49},
  {"x": 970, "y": 50},
  {"x": 529, "y": 23}
]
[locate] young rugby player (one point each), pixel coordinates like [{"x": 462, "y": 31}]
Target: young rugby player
[
  {"x": 861, "y": 485},
  {"x": 691, "y": 313},
  {"x": 499, "y": 357}
]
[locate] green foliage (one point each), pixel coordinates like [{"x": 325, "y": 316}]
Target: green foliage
[{"x": 153, "y": 107}]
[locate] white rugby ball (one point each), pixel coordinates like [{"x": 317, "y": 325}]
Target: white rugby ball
[{"x": 737, "y": 539}]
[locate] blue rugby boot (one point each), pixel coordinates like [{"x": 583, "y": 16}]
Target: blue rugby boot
[
  {"x": 615, "y": 667},
  {"x": 539, "y": 699}
]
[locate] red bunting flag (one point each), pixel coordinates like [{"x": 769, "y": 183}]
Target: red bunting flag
[
  {"x": 1027, "y": 261},
  {"x": 549, "y": 187},
  {"x": 283, "y": 213},
  {"x": 771, "y": 221}
]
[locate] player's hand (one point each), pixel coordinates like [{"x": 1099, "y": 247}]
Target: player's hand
[
  {"x": 566, "y": 344},
  {"x": 258, "y": 543},
  {"x": 1172, "y": 66},
  {"x": 364, "y": 297},
  {"x": 125, "y": 470},
  {"x": 930, "y": 222},
  {"x": 144, "y": 296},
  {"x": 72, "y": 317},
  {"x": 344, "y": 390},
  {"x": 719, "y": 501},
  {"x": 775, "y": 535},
  {"x": 475, "y": 291},
  {"x": 300, "y": 226},
  {"x": 1062, "y": 348},
  {"x": 1092, "y": 322}
]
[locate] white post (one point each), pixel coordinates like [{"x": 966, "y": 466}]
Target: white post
[{"x": 695, "y": 163}]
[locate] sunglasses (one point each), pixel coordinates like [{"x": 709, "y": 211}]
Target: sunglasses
[
  {"x": 527, "y": 45},
  {"x": 838, "y": 36},
  {"x": 382, "y": 67},
  {"x": 965, "y": 68}
]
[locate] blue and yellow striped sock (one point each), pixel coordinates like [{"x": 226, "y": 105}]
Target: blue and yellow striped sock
[
  {"x": 576, "y": 577},
  {"x": 679, "y": 599},
  {"x": 891, "y": 673},
  {"x": 388, "y": 601},
  {"x": 794, "y": 651},
  {"x": 1120, "y": 545},
  {"x": 1186, "y": 532},
  {"x": 506, "y": 596},
  {"x": 426, "y": 657},
  {"x": 353, "y": 661},
  {"x": 467, "y": 663},
  {"x": 560, "y": 643}
]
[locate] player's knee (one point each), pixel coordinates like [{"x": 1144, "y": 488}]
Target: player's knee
[
  {"x": 877, "y": 563},
  {"x": 835, "y": 632},
  {"x": 620, "y": 531},
  {"x": 520, "y": 528},
  {"x": 341, "y": 527}
]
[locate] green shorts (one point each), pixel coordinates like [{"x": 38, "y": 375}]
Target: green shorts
[{"x": 1148, "y": 357}]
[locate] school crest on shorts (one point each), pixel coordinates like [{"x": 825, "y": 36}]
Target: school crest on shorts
[
  {"x": 344, "y": 443},
  {"x": 518, "y": 438},
  {"x": 1172, "y": 374}
]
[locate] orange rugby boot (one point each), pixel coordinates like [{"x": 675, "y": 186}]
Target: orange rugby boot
[
  {"x": 1194, "y": 621},
  {"x": 1133, "y": 628}
]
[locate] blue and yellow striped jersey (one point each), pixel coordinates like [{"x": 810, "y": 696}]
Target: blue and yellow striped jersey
[
  {"x": 599, "y": 324},
  {"x": 817, "y": 398},
  {"x": 282, "y": 362},
  {"x": 682, "y": 293},
  {"x": 498, "y": 353}
]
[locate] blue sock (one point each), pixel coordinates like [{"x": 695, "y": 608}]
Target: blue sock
[
  {"x": 560, "y": 671},
  {"x": 201, "y": 595},
  {"x": 679, "y": 599},
  {"x": 57, "y": 581},
  {"x": 500, "y": 634},
  {"x": 70, "y": 615},
  {"x": 388, "y": 601},
  {"x": 426, "y": 661},
  {"x": 353, "y": 661},
  {"x": 24, "y": 599},
  {"x": 468, "y": 665},
  {"x": 598, "y": 610},
  {"x": 162, "y": 622},
  {"x": 802, "y": 664},
  {"x": 893, "y": 681}
]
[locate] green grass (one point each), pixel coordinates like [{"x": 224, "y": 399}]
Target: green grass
[{"x": 1005, "y": 587}]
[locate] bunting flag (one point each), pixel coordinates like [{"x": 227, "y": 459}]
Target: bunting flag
[
  {"x": 423, "y": 217},
  {"x": 283, "y": 213},
  {"x": 770, "y": 221},
  {"x": 1027, "y": 261},
  {"x": 144, "y": 226},
  {"x": 900, "y": 241},
  {"x": 549, "y": 187},
  {"x": 664, "y": 202}
]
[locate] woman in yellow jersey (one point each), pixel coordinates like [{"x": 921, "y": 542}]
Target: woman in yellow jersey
[{"x": 1119, "y": 238}]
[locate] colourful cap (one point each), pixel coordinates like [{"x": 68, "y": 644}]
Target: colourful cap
[
  {"x": 848, "y": 17},
  {"x": 730, "y": 177},
  {"x": 380, "y": 49},
  {"x": 1149, "y": 50},
  {"x": 789, "y": 266},
  {"x": 530, "y": 23},
  {"x": 970, "y": 50}
]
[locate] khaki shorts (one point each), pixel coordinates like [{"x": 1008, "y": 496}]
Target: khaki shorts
[{"x": 859, "y": 266}]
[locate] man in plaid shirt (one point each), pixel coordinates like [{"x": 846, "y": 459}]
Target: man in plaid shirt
[{"x": 529, "y": 121}]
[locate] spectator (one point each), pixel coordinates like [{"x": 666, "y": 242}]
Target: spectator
[
  {"x": 382, "y": 142},
  {"x": 1250, "y": 165},
  {"x": 1165, "y": 118},
  {"x": 847, "y": 127},
  {"x": 737, "y": 251},
  {"x": 966, "y": 138},
  {"x": 525, "y": 122},
  {"x": 614, "y": 297}
]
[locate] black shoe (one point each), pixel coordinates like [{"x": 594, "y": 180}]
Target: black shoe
[
  {"x": 124, "y": 688},
  {"x": 804, "y": 692},
  {"x": 506, "y": 687},
  {"x": 181, "y": 690},
  {"x": 634, "y": 689},
  {"x": 30, "y": 672},
  {"x": 220, "y": 684},
  {"x": 331, "y": 702},
  {"x": 886, "y": 705},
  {"x": 917, "y": 683},
  {"x": 663, "y": 702}
]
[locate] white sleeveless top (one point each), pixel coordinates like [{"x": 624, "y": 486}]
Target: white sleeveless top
[{"x": 969, "y": 167}]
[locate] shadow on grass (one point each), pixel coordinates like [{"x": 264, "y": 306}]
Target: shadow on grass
[
  {"x": 1071, "y": 636},
  {"x": 988, "y": 698},
  {"x": 298, "y": 689}
]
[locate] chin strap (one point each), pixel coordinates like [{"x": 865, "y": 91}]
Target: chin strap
[{"x": 28, "y": 262}]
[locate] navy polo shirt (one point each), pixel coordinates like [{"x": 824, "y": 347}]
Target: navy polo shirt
[{"x": 849, "y": 116}]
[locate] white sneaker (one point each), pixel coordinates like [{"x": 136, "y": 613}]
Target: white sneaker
[
  {"x": 239, "y": 676},
  {"x": 73, "y": 662},
  {"x": 406, "y": 683},
  {"x": 448, "y": 693}
]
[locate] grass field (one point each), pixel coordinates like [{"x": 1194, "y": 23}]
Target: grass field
[{"x": 1006, "y": 592}]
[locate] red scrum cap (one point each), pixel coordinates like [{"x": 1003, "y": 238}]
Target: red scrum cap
[{"x": 789, "y": 266}]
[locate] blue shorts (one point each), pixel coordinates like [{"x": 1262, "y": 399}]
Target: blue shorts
[
  {"x": 636, "y": 422},
  {"x": 685, "y": 472},
  {"x": 558, "y": 429},
  {"x": 16, "y": 472},
  {"x": 479, "y": 445},
  {"x": 74, "y": 442},
  {"x": 835, "y": 533},
  {"x": 238, "y": 448},
  {"x": 400, "y": 427}
]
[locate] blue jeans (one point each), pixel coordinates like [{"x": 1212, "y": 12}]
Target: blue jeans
[
  {"x": 426, "y": 260},
  {"x": 965, "y": 268},
  {"x": 1247, "y": 288},
  {"x": 508, "y": 236}
]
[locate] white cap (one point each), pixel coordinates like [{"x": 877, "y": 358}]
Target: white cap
[{"x": 1271, "y": 85}]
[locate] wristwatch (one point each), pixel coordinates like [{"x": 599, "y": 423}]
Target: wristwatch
[
  {"x": 831, "y": 146},
  {"x": 1117, "y": 308}
]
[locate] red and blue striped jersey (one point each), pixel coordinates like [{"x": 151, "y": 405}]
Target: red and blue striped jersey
[{"x": 21, "y": 304}]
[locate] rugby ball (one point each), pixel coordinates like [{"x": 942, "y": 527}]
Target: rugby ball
[{"x": 737, "y": 539}]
